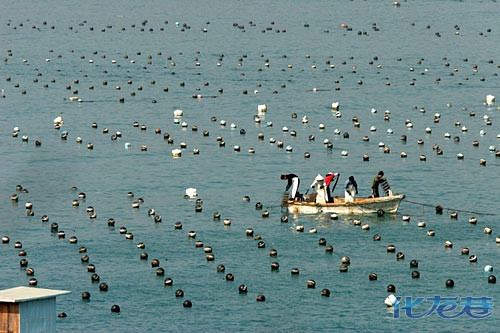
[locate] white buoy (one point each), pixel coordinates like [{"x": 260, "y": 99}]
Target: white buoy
[
  {"x": 488, "y": 268},
  {"x": 261, "y": 108},
  {"x": 482, "y": 132},
  {"x": 373, "y": 128},
  {"x": 490, "y": 100},
  {"x": 447, "y": 135},
  {"x": 335, "y": 106},
  {"x": 344, "y": 153},
  {"x": 305, "y": 120},
  {"x": 176, "y": 152},
  {"x": 127, "y": 145},
  {"x": 73, "y": 98},
  {"x": 178, "y": 113},
  {"x": 191, "y": 192},
  {"x": 289, "y": 148},
  {"x": 373, "y": 110},
  {"x": 391, "y": 300},
  {"x": 336, "y": 131},
  {"x": 390, "y": 131},
  {"x": 58, "y": 120}
]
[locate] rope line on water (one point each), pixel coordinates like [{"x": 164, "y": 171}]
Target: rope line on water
[{"x": 452, "y": 209}]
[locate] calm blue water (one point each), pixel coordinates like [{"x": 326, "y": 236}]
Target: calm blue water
[{"x": 444, "y": 47}]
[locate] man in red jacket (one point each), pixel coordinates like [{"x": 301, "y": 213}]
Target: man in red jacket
[{"x": 329, "y": 178}]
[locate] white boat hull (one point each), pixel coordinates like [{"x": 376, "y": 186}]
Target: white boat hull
[{"x": 361, "y": 205}]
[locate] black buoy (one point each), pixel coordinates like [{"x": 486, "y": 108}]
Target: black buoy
[
  {"x": 391, "y": 288},
  {"x": 115, "y": 308},
  {"x": 450, "y": 283}
]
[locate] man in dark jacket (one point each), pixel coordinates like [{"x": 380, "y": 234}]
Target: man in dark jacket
[
  {"x": 293, "y": 182},
  {"x": 376, "y": 182}
]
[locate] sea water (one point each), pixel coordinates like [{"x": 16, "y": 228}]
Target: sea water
[{"x": 295, "y": 57}]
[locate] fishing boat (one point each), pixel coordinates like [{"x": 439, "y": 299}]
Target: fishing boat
[{"x": 361, "y": 205}]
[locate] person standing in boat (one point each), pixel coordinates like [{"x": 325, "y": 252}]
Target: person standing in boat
[
  {"x": 329, "y": 179},
  {"x": 350, "y": 189},
  {"x": 293, "y": 182},
  {"x": 380, "y": 180},
  {"x": 319, "y": 185}
]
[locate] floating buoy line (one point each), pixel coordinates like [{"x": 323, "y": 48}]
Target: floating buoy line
[{"x": 450, "y": 209}]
